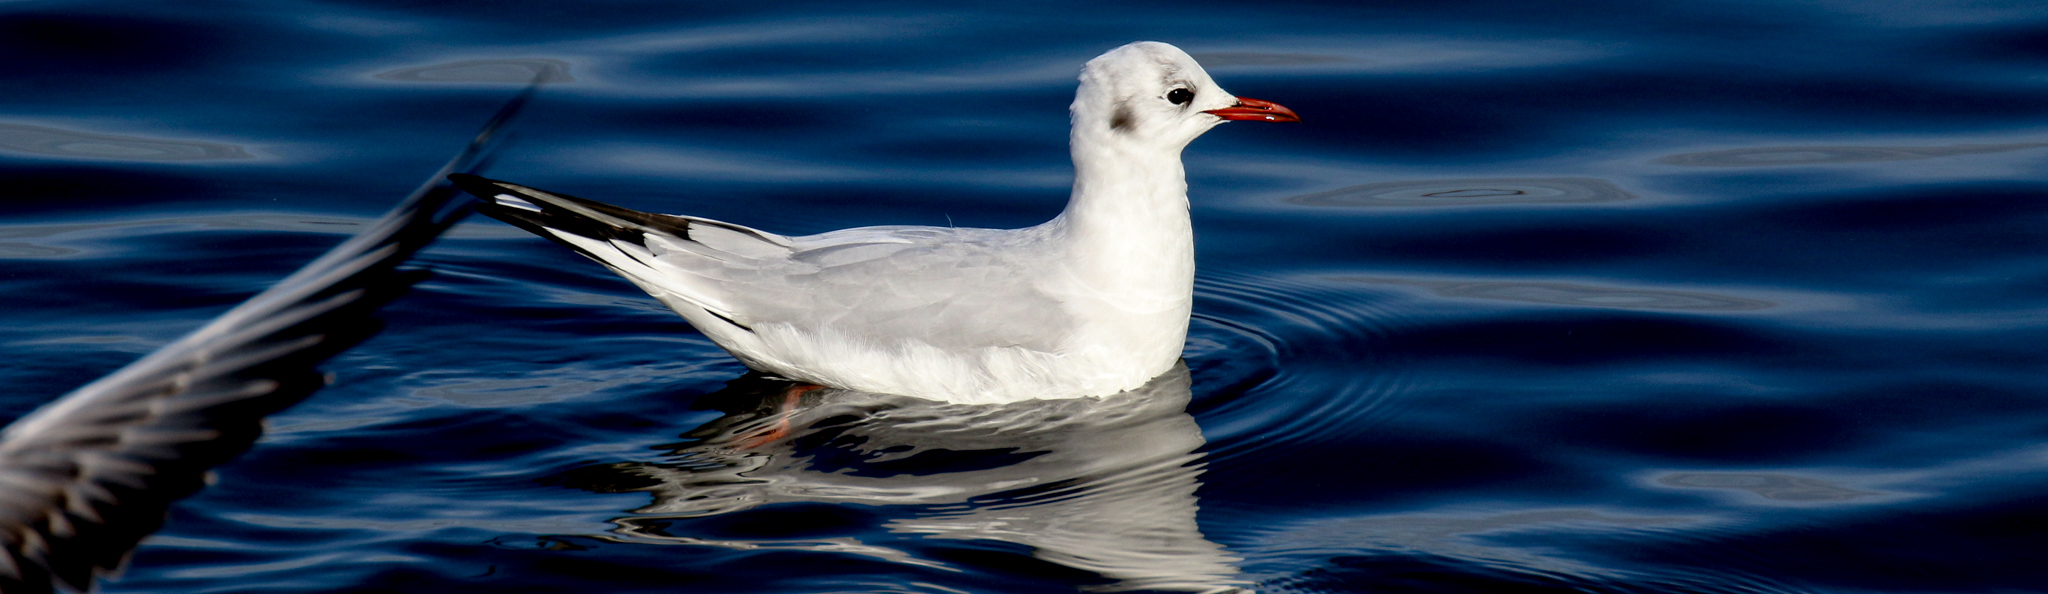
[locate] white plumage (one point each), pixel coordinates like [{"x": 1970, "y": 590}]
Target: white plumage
[{"x": 1093, "y": 302}]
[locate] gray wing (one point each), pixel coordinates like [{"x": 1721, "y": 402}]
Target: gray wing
[
  {"x": 84, "y": 478},
  {"x": 947, "y": 287},
  {"x": 942, "y": 286}
]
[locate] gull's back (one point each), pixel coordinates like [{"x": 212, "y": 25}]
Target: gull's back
[{"x": 945, "y": 287}]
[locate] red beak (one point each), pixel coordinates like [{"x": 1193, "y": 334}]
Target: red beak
[{"x": 1253, "y": 109}]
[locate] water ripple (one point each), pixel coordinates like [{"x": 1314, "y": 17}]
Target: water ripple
[
  {"x": 1831, "y": 155},
  {"x": 1554, "y": 293},
  {"x": 1215, "y": 60},
  {"x": 1469, "y": 192},
  {"x": 494, "y": 70},
  {"x": 1466, "y": 552},
  {"x": 1330, "y": 378},
  {"x": 1768, "y": 485},
  {"x": 65, "y": 240},
  {"x": 58, "y": 142}
]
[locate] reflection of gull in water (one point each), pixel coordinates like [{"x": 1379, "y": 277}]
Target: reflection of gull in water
[
  {"x": 1101, "y": 484},
  {"x": 86, "y": 477}
]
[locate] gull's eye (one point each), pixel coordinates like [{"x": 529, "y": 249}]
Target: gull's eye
[{"x": 1180, "y": 96}]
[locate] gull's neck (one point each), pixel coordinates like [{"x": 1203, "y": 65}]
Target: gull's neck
[
  {"x": 1125, "y": 181},
  {"x": 1126, "y": 225}
]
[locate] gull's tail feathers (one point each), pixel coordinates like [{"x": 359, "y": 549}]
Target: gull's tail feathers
[
  {"x": 676, "y": 258},
  {"x": 86, "y": 477}
]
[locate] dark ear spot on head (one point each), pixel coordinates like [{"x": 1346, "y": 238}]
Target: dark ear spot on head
[{"x": 1121, "y": 120}]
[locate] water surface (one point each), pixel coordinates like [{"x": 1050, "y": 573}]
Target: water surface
[{"x": 1586, "y": 296}]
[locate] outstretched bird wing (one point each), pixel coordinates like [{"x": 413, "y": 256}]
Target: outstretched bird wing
[{"x": 84, "y": 478}]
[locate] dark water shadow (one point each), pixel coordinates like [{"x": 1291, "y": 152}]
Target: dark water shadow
[
  {"x": 1102, "y": 485},
  {"x": 1468, "y": 192}
]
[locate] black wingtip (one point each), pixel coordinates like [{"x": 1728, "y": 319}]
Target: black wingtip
[
  {"x": 479, "y": 186},
  {"x": 526, "y": 215}
]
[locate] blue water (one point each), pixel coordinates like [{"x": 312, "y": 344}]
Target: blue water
[{"x": 1654, "y": 296}]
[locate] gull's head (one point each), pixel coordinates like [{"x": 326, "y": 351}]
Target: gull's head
[{"x": 1153, "y": 93}]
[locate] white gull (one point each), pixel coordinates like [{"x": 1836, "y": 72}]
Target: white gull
[{"x": 1093, "y": 302}]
